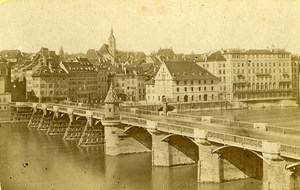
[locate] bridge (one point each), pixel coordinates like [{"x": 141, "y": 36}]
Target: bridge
[{"x": 224, "y": 150}]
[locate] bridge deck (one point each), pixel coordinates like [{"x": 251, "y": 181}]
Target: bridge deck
[{"x": 252, "y": 133}]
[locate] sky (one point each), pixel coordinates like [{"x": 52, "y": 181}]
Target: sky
[{"x": 143, "y": 25}]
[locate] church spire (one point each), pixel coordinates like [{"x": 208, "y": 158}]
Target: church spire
[
  {"x": 112, "y": 43},
  {"x": 61, "y": 53}
]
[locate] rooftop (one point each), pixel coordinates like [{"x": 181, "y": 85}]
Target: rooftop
[{"x": 188, "y": 71}]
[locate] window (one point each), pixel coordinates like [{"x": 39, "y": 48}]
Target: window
[
  {"x": 192, "y": 89},
  {"x": 204, "y": 81},
  {"x": 177, "y": 98},
  {"x": 205, "y": 88},
  {"x": 212, "y": 88},
  {"x": 177, "y": 89},
  {"x": 185, "y": 82},
  {"x": 185, "y": 88},
  {"x": 199, "y": 88}
]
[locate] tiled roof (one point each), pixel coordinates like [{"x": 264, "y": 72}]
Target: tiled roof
[
  {"x": 166, "y": 52},
  {"x": 11, "y": 53},
  {"x": 111, "y": 96},
  {"x": 79, "y": 65},
  {"x": 217, "y": 56},
  {"x": 45, "y": 71},
  {"x": 92, "y": 54},
  {"x": 104, "y": 49},
  {"x": 188, "y": 71},
  {"x": 192, "y": 57},
  {"x": 2, "y": 59}
]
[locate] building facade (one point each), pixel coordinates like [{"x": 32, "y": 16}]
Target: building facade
[
  {"x": 82, "y": 80},
  {"x": 295, "y": 77},
  {"x": 5, "y": 84},
  {"x": 129, "y": 83},
  {"x": 182, "y": 82},
  {"x": 50, "y": 84},
  {"x": 102, "y": 82},
  {"x": 250, "y": 75}
]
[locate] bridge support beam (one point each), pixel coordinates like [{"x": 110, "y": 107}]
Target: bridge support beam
[
  {"x": 276, "y": 176},
  {"x": 118, "y": 142},
  {"x": 164, "y": 153},
  {"x": 209, "y": 164}
]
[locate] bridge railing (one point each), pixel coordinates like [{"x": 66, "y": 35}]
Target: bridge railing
[
  {"x": 283, "y": 130},
  {"x": 232, "y": 123},
  {"x": 147, "y": 112},
  {"x": 289, "y": 150},
  {"x": 62, "y": 109},
  {"x": 139, "y": 111},
  {"x": 176, "y": 129},
  {"x": 133, "y": 120},
  {"x": 98, "y": 114},
  {"x": 50, "y": 107},
  {"x": 79, "y": 112},
  {"x": 183, "y": 116},
  {"x": 235, "y": 140}
]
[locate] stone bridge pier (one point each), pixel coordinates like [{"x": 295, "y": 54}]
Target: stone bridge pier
[
  {"x": 117, "y": 139},
  {"x": 173, "y": 150},
  {"x": 279, "y": 172},
  {"x": 120, "y": 139}
]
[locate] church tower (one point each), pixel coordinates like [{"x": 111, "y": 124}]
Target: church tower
[
  {"x": 112, "y": 43},
  {"x": 62, "y": 54}
]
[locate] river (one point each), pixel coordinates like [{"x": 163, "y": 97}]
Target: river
[{"x": 31, "y": 160}]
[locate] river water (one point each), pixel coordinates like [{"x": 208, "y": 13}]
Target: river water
[{"x": 31, "y": 160}]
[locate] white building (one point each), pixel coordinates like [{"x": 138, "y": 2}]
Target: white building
[{"x": 182, "y": 82}]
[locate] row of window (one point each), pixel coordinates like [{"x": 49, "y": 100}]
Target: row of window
[
  {"x": 192, "y": 89},
  {"x": 255, "y": 56},
  {"x": 262, "y": 64},
  {"x": 186, "y": 82},
  {"x": 263, "y": 95}
]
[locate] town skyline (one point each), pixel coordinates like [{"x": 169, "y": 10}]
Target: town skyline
[{"x": 185, "y": 26}]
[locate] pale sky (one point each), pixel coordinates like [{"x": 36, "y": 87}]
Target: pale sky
[{"x": 144, "y": 25}]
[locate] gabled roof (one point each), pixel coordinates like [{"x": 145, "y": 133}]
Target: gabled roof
[
  {"x": 45, "y": 71},
  {"x": 111, "y": 96},
  {"x": 188, "y": 71},
  {"x": 217, "y": 56}
]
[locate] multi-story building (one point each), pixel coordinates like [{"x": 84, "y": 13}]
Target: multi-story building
[
  {"x": 5, "y": 84},
  {"x": 50, "y": 83},
  {"x": 102, "y": 82},
  {"x": 182, "y": 82},
  {"x": 12, "y": 56},
  {"x": 295, "y": 76},
  {"x": 82, "y": 80},
  {"x": 251, "y": 74},
  {"x": 129, "y": 83}
]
